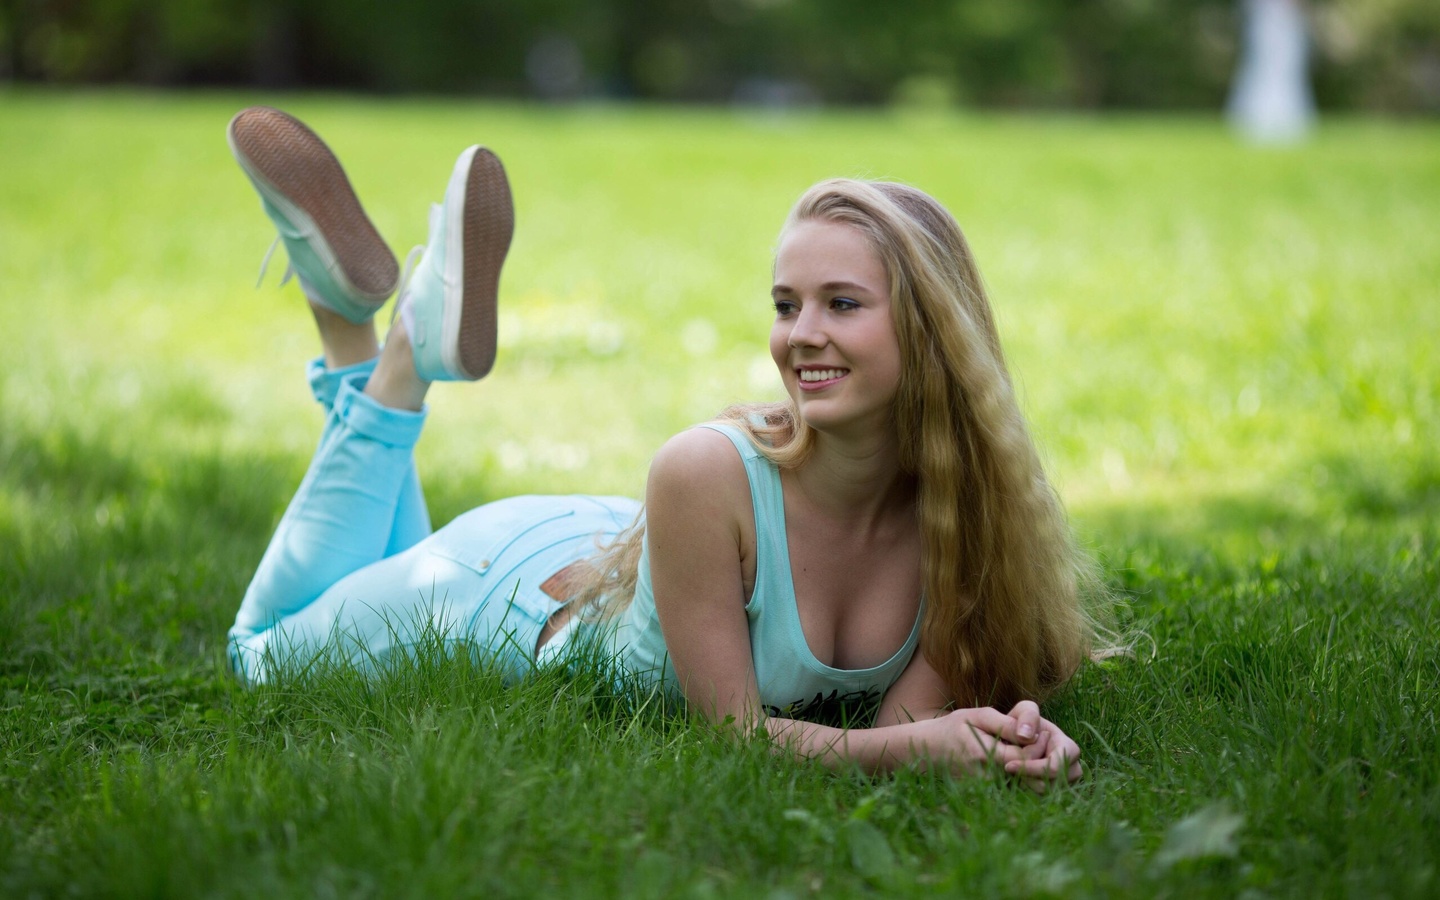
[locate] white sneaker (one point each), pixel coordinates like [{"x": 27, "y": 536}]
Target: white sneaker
[
  {"x": 342, "y": 262},
  {"x": 448, "y": 307}
]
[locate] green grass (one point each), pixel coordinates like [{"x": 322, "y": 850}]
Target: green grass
[{"x": 1226, "y": 354}]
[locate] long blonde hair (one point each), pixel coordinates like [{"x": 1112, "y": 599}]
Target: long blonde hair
[{"x": 1006, "y": 588}]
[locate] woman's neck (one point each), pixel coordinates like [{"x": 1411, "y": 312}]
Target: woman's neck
[{"x": 857, "y": 480}]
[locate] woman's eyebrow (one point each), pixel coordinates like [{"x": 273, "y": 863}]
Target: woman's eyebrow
[
  {"x": 829, "y": 286},
  {"x": 843, "y": 286}
]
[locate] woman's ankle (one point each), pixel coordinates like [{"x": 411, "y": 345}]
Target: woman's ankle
[
  {"x": 343, "y": 342},
  {"x": 394, "y": 382}
]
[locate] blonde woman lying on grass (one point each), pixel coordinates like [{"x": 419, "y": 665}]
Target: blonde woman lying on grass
[{"x": 882, "y": 549}]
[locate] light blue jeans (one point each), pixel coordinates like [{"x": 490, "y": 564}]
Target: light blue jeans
[{"x": 354, "y": 571}]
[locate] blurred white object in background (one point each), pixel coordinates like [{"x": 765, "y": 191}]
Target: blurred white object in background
[{"x": 1271, "y": 101}]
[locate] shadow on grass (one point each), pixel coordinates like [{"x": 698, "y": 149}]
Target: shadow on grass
[
  {"x": 109, "y": 553},
  {"x": 1331, "y": 505},
  {"x": 116, "y": 548}
]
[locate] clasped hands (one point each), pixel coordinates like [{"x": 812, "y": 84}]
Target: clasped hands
[{"x": 1026, "y": 745}]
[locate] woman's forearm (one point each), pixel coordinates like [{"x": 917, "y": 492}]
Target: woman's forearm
[
  {"x": 964, "y": 741},
  {"x": 871, "y": 749}
]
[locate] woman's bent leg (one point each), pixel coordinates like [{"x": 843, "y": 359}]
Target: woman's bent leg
[
  {"x": 412, "y": 516},
  {"x": 345, "y": 513}
]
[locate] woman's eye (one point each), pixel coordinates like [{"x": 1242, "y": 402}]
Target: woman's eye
[
  {"x": 843, "y": 303},
  {"x": 784, "y": 307}
]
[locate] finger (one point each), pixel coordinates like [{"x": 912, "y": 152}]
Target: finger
[
  {"x": 1026, "y": 719},
  {"x": 1060, "y": 741},
  {"x": 988, "y": 721},
  {"x": 1041, "y": 751},
  {"x": 995, "y": 751},
  {"x": 1063, "y": 746},
  {"x": 1038, "y": 750},
  {"x": 1045, "y": 769},
  {"x": 1038, "y": 785},
  {"x": 1048, "y": 771}
]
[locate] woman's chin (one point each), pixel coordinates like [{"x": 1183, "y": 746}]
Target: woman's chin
[{"x": 826, "y": 419}]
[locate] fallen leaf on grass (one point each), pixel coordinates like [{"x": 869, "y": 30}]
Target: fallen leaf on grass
[
  {"x": 1206, "y": 834},
  {"x": 870, "y": 852}
]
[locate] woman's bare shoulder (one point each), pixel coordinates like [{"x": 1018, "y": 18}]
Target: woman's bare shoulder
[
  {"x": 701, "y": 466},
  {"x": 698, "y": 452}
]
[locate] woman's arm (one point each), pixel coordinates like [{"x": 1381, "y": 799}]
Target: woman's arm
[
  {"x": 963, "y": 742},
  {"x": 915, "y": 725},
  {"x": 1047, "y": 753},
  {"x": 698, "y": 513}
]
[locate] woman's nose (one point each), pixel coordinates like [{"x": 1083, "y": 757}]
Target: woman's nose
[{"x": 809, "y": 330}]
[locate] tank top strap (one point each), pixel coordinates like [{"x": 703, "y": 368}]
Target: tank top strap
[{"x": 773, "y": 555}]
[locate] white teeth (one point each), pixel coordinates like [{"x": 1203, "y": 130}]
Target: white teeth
[{"x": 820, "y": 374}]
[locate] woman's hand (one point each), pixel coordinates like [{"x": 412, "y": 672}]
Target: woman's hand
[
  {"x": 1048, "y": 755},
  {"x": 967, "y": 741}
]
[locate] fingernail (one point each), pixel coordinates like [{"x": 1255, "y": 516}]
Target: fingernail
[{"x": 1026, "y": 730}]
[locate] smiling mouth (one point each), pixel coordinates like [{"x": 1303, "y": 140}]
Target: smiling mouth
[{"x": 817, "y": 378}]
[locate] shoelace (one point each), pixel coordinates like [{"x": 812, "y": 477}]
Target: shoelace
[
  {"x": 265, "y": 265},
  {"x": 411, "y": 259}
]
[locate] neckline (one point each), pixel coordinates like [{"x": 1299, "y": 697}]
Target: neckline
[{"x": 792, "y": 610}]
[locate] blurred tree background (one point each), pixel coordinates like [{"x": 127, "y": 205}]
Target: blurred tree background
[{"x": 1132, "y": 54}]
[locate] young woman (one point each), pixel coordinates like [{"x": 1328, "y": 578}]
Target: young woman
[{"x": 882, "y": 549}]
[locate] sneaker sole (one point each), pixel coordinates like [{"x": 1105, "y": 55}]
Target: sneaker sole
[
  {"x": 281, "y": 153},
  {"x": 489, "y": 224}
]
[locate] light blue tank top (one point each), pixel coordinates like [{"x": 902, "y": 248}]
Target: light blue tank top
[{"x": 792, "y": 682}]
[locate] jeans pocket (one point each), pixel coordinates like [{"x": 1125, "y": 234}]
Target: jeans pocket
[{"x": 493, "y": 537}]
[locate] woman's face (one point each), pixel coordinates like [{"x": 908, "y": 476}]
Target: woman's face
[{"x": 833, "y": 338}]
